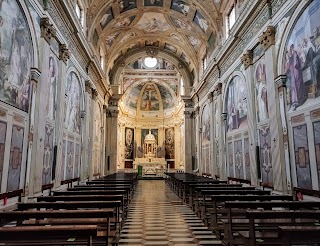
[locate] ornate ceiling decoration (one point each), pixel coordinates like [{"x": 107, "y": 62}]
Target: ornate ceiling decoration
[{"x": 188, "y": 29}]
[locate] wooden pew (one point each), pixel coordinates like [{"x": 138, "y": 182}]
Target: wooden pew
[
  {"x": 73, "y": 206},
  {"x": 218, "y": 201},
  {"x": 48, "y": 235},
  {"x": 69, "y": 182},
  {"x": 21, "y": 216},
  {"x": 47, "y": 187},
  {"x": 293, "y": 235},
  {"x": 236, "y": 213},
  {"x": 257, "y": 236},
  {"x": 11, "y": 194}
]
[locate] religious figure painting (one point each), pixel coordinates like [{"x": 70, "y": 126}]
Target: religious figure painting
[
  {"x": 48, "y": 154},
  {"x": 195, "y": 42},
  {"x": 73, "y": 97},
  {"x": 212, "y": 43},
  {"x": 132, "y": 95},
  {"x": 167, "y": 98},
  {"x": 15, "y": 158},
  {"x": 302, "y": 160},
  {"x": 97, "y": 123},
  {"x": 302, "y": 59},
  {"x": 106, "y": 18},
  {"x": 236, "y": 104},
  {"x": 52, "y": 85},
  {"x": 181, "y": 24},
  {"x": 15, "y": 56},
  {"x": 261, "y": 91},
  {"x": 63, "y": 159},
  {"x": 205, "y": 125},
  {"x": 265, "y": 155},
  {"x": 170, "y": 47},
  {"x": 153, "y": 22},
  {"x": 158, "y": 3},
  {"x": 129, "y": 143},
  {"x": 70, "y": 160},
  {"x": 125, "y": 21},
  {"x": 180, "y": 6},
  {"x": 150, "y": 98},
  {"x": 200, "y": 21},
  {"x": 169, "y": 143},
  {"x": 111, "y": 38},
  {"x": 77, "y": 161},
  {"x": 127, "y": 5}
]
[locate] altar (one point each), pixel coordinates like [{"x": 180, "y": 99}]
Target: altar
[{"x": 151, "y": 164}]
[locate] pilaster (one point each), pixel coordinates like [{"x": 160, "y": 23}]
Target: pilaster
[
  {"x": 251, "y": 116},
  {"x": 267, "y": 40}
]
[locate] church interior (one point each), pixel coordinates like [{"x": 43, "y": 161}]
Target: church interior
[{"x": 159, "y": 122}]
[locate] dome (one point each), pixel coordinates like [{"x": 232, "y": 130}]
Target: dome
[{"x": 150, "y": 138}]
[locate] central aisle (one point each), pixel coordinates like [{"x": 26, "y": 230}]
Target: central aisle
[{"x": 158, "y": 217}]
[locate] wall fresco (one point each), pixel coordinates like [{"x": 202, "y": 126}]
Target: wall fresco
[{"x": 15, "y": 56}]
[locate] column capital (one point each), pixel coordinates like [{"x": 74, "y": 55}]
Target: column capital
[
  {"x": 94, "y": 94},
  {"x": 64, "y": 53},
  {"x": 268, "y": 37},
  {"x": 113, "y": 113},
  {"x": 105, "y": 109},
  {"x": 88, "y": 87},
  {"x": 35, "y": 74},
  {"x": 83, "y": 114},
  {"x": 281, "y": 80},
  {"x": 218, "y": 89},
  {"x": 210, "y": 97},
  {"x": 224, "y": 116},
  {"x": 47, "y": 29},
  {"x": 247, "y": 59},
  {"x": 197, "y": 110},
  {"x": 188, "y": 114}
]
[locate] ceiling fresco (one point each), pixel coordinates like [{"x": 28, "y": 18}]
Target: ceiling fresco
[{"x": 187, "y": 29}]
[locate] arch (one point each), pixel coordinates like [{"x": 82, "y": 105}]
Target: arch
[
  {"x": 294, "y": 18},
  {"x": 121, "y": 63}
]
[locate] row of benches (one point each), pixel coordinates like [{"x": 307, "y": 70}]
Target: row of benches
[
  {"x": 86, "y": 214},
  {"x": 244, "y": 215}
]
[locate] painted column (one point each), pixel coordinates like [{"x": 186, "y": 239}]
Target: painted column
[
  {"x": 85, "y": 115},
  {"x": 113, "y": 135},
  {"x": 189, "y": 143},
  {"x": 35, "y": 77},
  {"x": 92, "y": 151},
  {"x": 64, "y": 55},
  {"x": 104, "y": 141},
  {"x": 217, "y": 94},
  {"x": 247, "y": 61},
  {"x": 267, "y": 40},
  {"x": 281, "y": 83},
  {"x": 36, "y": 167},
  {"x": 212, "y": 169}
]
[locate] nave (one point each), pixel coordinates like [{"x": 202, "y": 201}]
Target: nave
[{"x": 157, "y": 216}]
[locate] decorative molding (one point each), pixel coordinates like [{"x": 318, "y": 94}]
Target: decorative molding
[
  {"x": 35, "y": 74},
  {"x": 247, "y": 59},
  {"x": 152, "y": 51},
  {"x": 281, "y": 80},
  {"x": 268, "y": 37},
  {"x": 88, "y": 87},
  {"x": 47, "y": 29},
  {"x": 64, "y": 53}
]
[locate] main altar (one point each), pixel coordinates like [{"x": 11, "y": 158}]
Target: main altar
[{"x": 151, "y": 164}]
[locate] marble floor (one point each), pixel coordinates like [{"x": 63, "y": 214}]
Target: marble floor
[{"x": 158, "y": 217}]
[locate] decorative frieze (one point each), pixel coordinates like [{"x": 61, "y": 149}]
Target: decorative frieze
[
  {"x": 247, "y": 59},
  {"x": 268, "y": 37},
  {"x": 47, "y": 29},
  {"x": 64, "y": 53}
]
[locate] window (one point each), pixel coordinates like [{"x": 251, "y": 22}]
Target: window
[
  {"x": 80, "y": 14},
  {"x": 230, "y": 20}
]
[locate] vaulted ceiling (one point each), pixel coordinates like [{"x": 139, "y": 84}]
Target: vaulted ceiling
[{"x": 188, "y": 30}]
